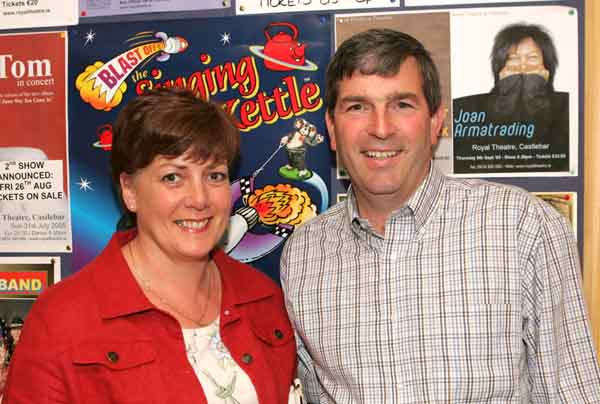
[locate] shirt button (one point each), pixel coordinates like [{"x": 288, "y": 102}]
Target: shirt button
[
  {"x": 112, "y": 357},
  {"x": 226, "y": 312},
  {"x": 393, "y": 257},
  {"x": 247, "y": 358},
  {"x": 278, "y": 334}
]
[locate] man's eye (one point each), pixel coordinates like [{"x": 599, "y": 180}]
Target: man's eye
[
  {"x": 171, "y": 177},
  {"x": 403, "y": 105},
  {"x": 218, "y": 176},
  {"x": 355, "y": 107}
]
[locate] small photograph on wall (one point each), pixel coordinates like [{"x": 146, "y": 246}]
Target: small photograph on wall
[
  {"x": 515, "y": 91},
  {"x": 432, "y": 29},
  {"x": 22, "y": 280},
  {"x": 563, "y": 202},
  {"x": 34, "y": 207}
]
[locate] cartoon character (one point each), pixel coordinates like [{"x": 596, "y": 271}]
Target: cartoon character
[
  {"x": 265, "y": 219},
  {"x": 283, "y": 47},
  {"x": 305, "y": 133},
  {"x": 283, "y": 50},
  {"x": 172, "y": 45}
]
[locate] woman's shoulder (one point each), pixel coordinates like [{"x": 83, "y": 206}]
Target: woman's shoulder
[
  {"x": 243, "y": 274},
  {"x": 71, "y": 295}
]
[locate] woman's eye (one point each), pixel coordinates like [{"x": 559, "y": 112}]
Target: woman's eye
[{"x": 171, "y": 177}]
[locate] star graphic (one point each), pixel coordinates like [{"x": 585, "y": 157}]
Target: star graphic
[
  {"x": 84, "y": 184},
  {"x": 89, "y": 37},
  {"x": 225, "y": 38}
]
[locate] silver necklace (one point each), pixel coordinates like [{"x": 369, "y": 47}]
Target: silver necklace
[{"x": 147, "y": 286}]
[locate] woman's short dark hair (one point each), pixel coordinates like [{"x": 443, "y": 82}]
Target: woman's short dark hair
[
  {"x": 169, "y": 122},
  {"x": 512, "y": 35},
  {"x": 381, "y": 52}
]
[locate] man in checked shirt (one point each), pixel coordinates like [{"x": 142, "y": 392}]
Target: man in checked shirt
[{"x": 425, "y": 289}]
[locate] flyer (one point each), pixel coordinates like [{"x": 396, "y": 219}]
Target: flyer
[
  {"x": 22, "y": 280},
  {"x": 37, "y": 13},
  {"x": 98, "y": 8},
  {"x": 245, "y": 7},
  {"x": 515, "y": 97},
  {"x": 34, "y": 208}
]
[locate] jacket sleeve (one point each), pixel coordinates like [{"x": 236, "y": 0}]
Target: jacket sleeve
[
  {"x": 561, "y": 359},
  {"x": 34, "y": 375}
]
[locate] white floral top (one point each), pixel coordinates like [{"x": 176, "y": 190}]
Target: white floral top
[{"x": 223, "y": 381}]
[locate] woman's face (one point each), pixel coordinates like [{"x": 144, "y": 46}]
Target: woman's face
[{"x": 182, "y": 206}]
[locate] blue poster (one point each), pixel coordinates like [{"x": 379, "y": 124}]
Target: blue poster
[{"x": 268, "y": 71}]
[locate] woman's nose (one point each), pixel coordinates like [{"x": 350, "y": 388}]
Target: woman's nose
[{"x": 197, "y": 196}]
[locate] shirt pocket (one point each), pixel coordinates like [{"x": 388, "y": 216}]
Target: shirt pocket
[
  {"x": 476, "y": 356},
  {"x": 117, "y": 371}
]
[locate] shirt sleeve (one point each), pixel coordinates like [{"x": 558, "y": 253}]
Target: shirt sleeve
[
  {"x": 561, "y": 360},
  {"x": 306, "y": 371},
  {"x": 34, "y": 375}
]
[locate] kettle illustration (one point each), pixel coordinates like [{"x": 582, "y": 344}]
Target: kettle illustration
[{"x": 283, "y": 47}]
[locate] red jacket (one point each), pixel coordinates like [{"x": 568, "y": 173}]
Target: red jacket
[{"x": 95, "y": 338}]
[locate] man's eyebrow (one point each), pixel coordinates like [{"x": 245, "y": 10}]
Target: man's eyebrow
[{"x": 390, "y": 97}]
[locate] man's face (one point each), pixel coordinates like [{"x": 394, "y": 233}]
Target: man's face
[
  {"x": 383, "y": 133},
  {"x": 526, "y": 57}
]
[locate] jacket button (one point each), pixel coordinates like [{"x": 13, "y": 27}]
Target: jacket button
[
  {"x": 278, "y": 334},
  {"x": 112, "y": 357},
  {"x": 247, "y": 358}
]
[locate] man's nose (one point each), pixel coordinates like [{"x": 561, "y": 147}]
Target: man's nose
[{"x": 380, "y": 124}]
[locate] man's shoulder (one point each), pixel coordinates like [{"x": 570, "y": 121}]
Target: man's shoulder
[
  {"x": 316, "y": 232},
  {"x": 333, "y": 216},
  {"x": 492, "y": 193}
]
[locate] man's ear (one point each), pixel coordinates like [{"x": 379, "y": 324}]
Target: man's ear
[
  {"x": 331, "y": 129},
  {"x": 436, "y": 123},
  {"x": 128, "y": 192}
]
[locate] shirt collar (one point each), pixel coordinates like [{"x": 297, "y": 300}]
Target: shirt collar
[
  {"x": 118, "y": 293},
  {"x": 421, "y": 204}
]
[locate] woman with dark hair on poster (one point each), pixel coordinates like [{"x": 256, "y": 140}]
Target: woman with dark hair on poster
[{"x": 162, "y": 315}]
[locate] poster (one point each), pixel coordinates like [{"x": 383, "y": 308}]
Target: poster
[
  {"x": 515, "y": 105},
  {"x": 275, "y": 95},
  {"x": 432, "y": 29},
  {"x": 22, "y": 280},
  {"x": 34, "y": 210},
  {"x": 98, "y": 8},
  {"x": 37, "y": 13}
]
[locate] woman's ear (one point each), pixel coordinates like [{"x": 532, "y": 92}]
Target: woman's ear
[{"x": 128, "y": 192}]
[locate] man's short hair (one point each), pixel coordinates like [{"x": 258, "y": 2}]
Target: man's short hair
[
  {"x": 381, "y": 52},
  {"x": 512, "y": 35}
]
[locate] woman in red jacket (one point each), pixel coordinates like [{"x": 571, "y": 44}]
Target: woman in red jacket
[{"x": 161, "y": 315}]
